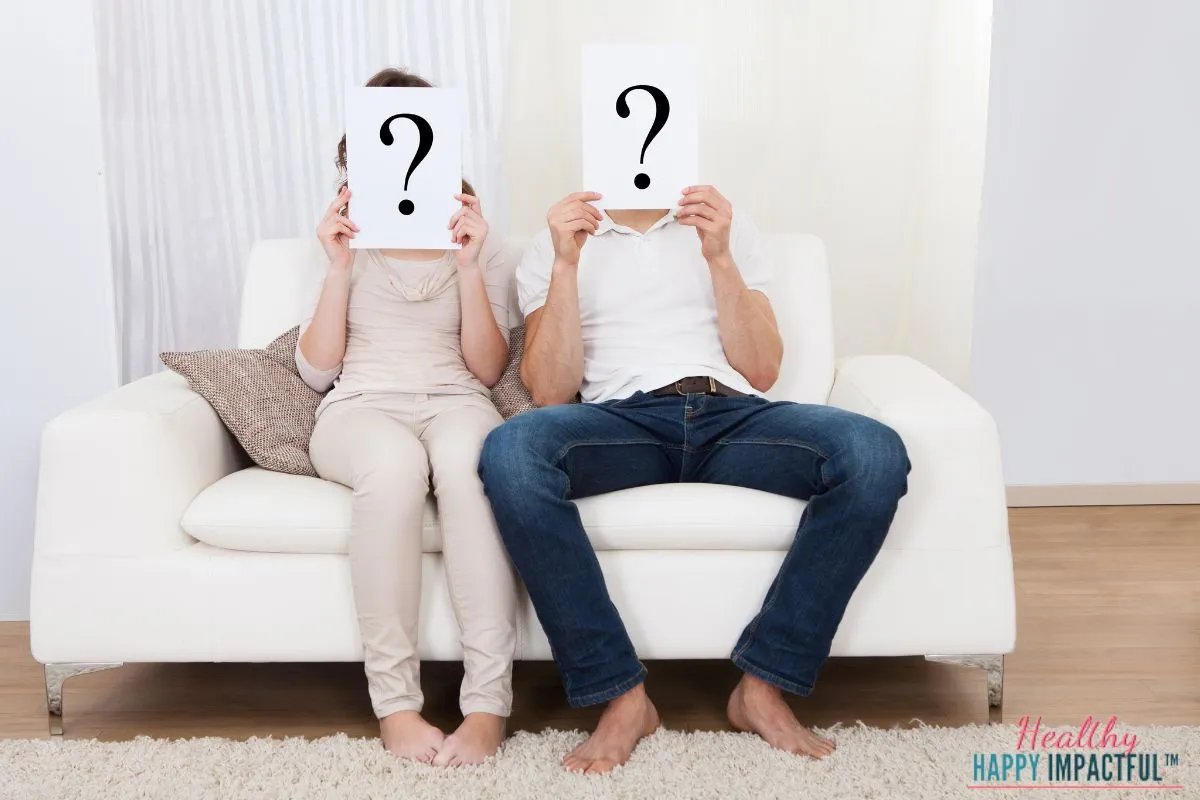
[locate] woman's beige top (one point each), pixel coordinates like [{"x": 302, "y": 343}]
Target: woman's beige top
[{"x": 403, "y": 328}]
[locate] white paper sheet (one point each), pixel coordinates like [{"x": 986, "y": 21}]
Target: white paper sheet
[
  {"x": 613, "y": 160},
  {"x": 388, "y": 214}
]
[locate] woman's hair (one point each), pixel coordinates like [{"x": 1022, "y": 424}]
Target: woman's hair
[{"x": 391, "y": 76}]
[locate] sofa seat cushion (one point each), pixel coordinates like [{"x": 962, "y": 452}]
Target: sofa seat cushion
[{"x": 270, "y": 512}]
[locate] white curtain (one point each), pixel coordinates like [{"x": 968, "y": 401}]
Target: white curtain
[
  {"x": 861, "y": 121},
  {"x": 221, "y": 120}
]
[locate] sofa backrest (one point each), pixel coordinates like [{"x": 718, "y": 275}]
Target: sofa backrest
[{"x": 283, "y": 276}]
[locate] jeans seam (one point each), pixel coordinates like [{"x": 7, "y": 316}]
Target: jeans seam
[
  {"x": 768, "y": 604},
  {"x": 774, "y": 443},
  {"x": 779, "y": 681},
  {"x": 611, "y": 692},
  {"x": 688, "y": 414},
  {"x": 598, "y": 443}
]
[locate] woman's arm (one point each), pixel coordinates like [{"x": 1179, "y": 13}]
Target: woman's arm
[
  {"x": 322, "y": 343},
  {"x": 484, "y": 347}
]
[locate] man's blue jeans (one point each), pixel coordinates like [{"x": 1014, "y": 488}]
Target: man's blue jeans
[{"x": 852, "y": 470}]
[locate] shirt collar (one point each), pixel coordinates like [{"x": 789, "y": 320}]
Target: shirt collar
[{"x": 607, "y": 224}]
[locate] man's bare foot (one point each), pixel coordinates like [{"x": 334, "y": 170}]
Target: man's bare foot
[
  {"x": 406, "y": 734},
  {"x": 476, "y": 739},
  {"x": 758, "y": 707},
  {"x": 622, "y": 725}
]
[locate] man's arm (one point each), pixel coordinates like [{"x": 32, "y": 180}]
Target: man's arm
[
  {"x": 552, "y": 368},
  {"x": 749, "y": 332}
]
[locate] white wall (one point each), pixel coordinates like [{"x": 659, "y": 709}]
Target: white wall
[
  {"x": 56, "y": 312},
  {"x": 1087, "y": 310},
  {"x": 861, "y": 121}
]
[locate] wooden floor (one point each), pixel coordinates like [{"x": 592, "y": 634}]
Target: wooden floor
[{"x": 1108, "y": 623}]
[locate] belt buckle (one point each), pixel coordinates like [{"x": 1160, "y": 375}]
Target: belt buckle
[
  {"x": 712, "y": 385},
  {"x": 679, "y": 388}
]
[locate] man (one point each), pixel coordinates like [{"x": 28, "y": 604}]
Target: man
[{"x": 667, "y": 334}]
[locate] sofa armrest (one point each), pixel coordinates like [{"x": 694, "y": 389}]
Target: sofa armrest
[
  {"x": 956, "y": 494},
  {"x": 117, "y": 473}
]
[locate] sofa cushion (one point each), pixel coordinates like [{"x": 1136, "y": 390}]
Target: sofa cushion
[{"x": 271, "y": 512}]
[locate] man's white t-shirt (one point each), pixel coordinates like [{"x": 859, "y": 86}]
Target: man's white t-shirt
[{"x": 646, "y": 304}]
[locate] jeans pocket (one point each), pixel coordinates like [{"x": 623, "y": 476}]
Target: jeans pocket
[{"x": 624, "y": 401}]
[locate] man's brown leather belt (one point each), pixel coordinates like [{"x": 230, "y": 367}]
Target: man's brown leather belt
[{"x": 697, "y": 385}]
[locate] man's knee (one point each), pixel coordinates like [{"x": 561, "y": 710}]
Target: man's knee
[
  {"x": 874, "y": 455},
  {"x": 497, "y": 452},
  {"x": 511, "y": 450}
]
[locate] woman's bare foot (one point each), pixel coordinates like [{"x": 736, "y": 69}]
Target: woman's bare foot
[
  {"x": 476, "y": 739},
  {"x": 406, "y": 734},
  {"x": 758, "y": 707},
  {"x": 622, "y": 725}
]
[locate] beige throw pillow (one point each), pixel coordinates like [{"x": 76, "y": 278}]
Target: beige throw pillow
[
  {"x": 260, "y": 397},
  {"x": 271, "y": 411},
  {"x": 510, "y": 395}
]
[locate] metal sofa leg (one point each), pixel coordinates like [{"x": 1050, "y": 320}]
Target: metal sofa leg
[
  {"x": 56, "y": 676},
  {"x": 995, "y": 679},
  {"x": 994, "y": 665}
]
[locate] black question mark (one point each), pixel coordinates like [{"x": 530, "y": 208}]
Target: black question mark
[
  {"x": 424, "y": 142},
  {"x": 662, "y": 109}
]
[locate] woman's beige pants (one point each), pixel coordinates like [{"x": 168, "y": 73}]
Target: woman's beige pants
[{"x": 390, "y": 449}]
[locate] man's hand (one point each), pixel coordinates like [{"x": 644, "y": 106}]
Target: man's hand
[
  {"x": 571, "y": 221},
  {"x": 707, "y": 210}
]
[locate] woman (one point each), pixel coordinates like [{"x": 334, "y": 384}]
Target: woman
[{"x": 410, "y": 341}]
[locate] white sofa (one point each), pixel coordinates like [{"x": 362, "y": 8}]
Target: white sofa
[{"x": 156, "y": 542}]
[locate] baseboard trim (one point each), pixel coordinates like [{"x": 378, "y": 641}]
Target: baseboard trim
[{"x": 1110, "y": 494}]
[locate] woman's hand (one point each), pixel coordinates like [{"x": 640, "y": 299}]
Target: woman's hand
[
  {"x": 468, "y": 228},
  {"x": 336, "y": 230}
]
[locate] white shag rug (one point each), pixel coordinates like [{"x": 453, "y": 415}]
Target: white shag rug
[{"x": 923, "y": 762}]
